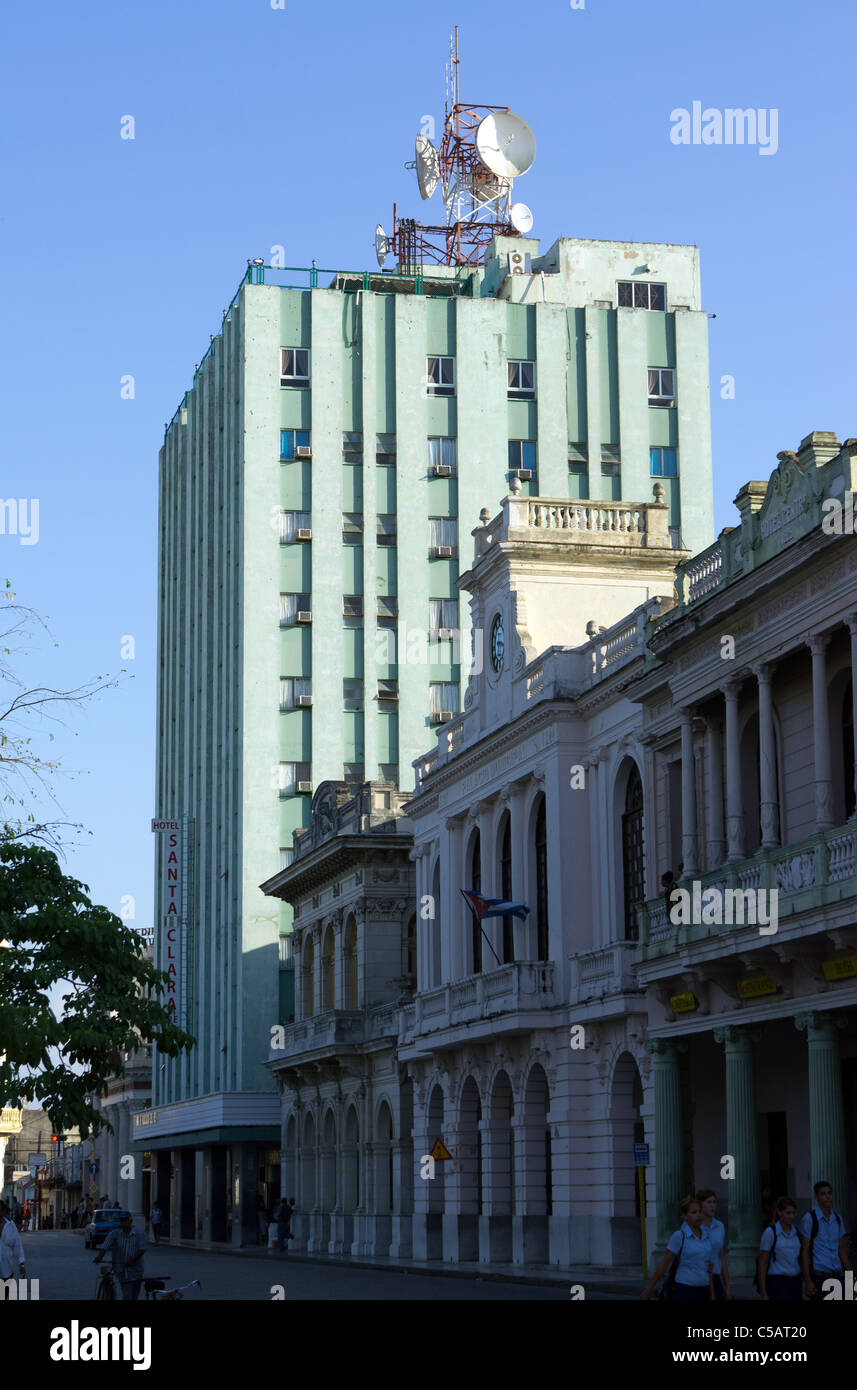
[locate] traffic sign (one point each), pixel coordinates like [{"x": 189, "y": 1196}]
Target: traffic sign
[
  {"x": 93, "y": 1168},
  {"x": 439, "y": 1150},
  {"x": 641, "y": 1155}
]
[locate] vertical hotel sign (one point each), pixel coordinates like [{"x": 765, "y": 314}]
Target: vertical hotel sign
[{"x": 172, "y": 903}]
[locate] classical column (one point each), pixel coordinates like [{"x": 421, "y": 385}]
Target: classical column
[
  {"x": 492, "y": 927},
  {"x": 689, "y": 839},
  {"x": 826, "y": 1114},
  {"x": 734, "y": 807},
  {"x": 769, "y": 812},
  {"x": 852, "y": 628},
  {"x": 821, "y": 732},
  {"x": 741, "y": 1146},
  {"x": 716, "y": 832},
  {"x": 669, "y": 1137},
  {"x": 452, "y": 909}
]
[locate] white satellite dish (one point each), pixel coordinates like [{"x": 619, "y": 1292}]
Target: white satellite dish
[
  {"x": 505, "y": 144},
  {"x": 382, "y": 245},
  {"x": 521, "y": 218},
  {"x": 427, "y": 166}
]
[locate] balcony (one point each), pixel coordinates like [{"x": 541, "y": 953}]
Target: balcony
[
  {"x": 596, "y": 975},
  {"x": 10, "y": 1120},
  {"x": 817, "y": 873},
  {"x": 336, "y": 1029},
  {"x": 504, "y": 1000}
]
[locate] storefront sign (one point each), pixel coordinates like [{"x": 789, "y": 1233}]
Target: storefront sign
[
  {"x": 755, "y": 985},
  {"x": 171, "y": 903},
  {"x": 684, "y": 1003},
  {"x": 840, "y": 969}
]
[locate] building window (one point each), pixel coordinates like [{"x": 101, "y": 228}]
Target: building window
[
  {"x": 291, "y": 441},
  {"x": 443, "y": 614},
  {"x": 848, "y": 749},
  {"x": 350, "y": 1000},
  {"x": 388, "y": 690},
  {"x": 443, "y": 697},
  {"x": 388, "y": 772},
  {"x": 352, "y": 694},
  {"x": 541, "y": 846},
  {"x": 411, "y": 948},
  {"x": 506, "y": 889},
  {"x": 308, "y": 977},
  {"x": 353, "y": 773},
  {"x": 522, "y": 381},
  {"x": 352, "y": 528},
  {"x": 287, "y": 855},
  {"x": 441, "y": 455},
  {"x": 661, "y": 386},
  {"x": 633, "y": 861},
  {"x": 352, "y": 448},
  {"x": 663, "y": 463},
  {"x": 522, "y": 454},
  {"x": 476, "y": 885},
  {"x": 295, "y": 692},
  {"x": 294, "y": 608},
  {"x": 641, "y": 294},
  {"x": 386, "y": 608},
  {"x": 294, "y": 367},
  {"x": 386, "y": 530},
  {"x": 294, "y": 778},
  {"x": 443, "y": 536},
  {"x": 294, "y": 526},
  {"x": 352, "y": 605},
  {"x": 440, "y": 376},
  {"x": 328, "y": 972},
  {"x": 385, "y": 450}
]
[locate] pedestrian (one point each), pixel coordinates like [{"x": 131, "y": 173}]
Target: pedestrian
[
  {"x": 689, "y": 1258},
  {"x": 262, "y": 1219},
  {"x": 126, "y": 1247},
  {"x": 156, "y": 1217},
  {"x": 12, "y": 1264},
  {"x": 824, "y": 1251},
  {"x": 779, "y": 1277},
  {"x": 283, "y": 1218},
  {"x": 707, "y": 1199}
]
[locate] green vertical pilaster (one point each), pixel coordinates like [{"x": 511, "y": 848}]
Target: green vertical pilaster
[
  {"x": 669, "y": 1141},
  {"x": 741, "y": 1145},
  {"x": 826, "y": 1113}
]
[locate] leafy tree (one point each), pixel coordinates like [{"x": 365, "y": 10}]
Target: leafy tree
[{"x": 51, "y": 933}]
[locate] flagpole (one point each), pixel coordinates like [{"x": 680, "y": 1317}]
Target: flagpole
[{"x": 481, "y": 928}]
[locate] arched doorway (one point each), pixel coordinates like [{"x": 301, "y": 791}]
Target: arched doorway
[
  {"x": 538, "y": 1169},
  {"x": 500, "y": 1169},
  {"x": 626, "y": 1130}
]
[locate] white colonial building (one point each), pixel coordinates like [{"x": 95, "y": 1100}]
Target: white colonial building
[{"x": 632, "y": 717}]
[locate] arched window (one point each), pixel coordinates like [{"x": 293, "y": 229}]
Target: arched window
[
  {"x": 848, "y": 749},
  {"x": 328, "y": 975},
  {"x": 433, "y": 927},
  {"x": 351, "y": 995},
  {"x": 411, "y": 949},
  {"x": 506, "y": 889},
  {"x": 542, "y": 935},
  {"x": 476, "y": 885},
  {"x": 633, "y": 852},
  {"x": 309, "y": 978}
]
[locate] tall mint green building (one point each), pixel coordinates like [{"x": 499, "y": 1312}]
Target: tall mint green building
[{"x": 318, "y": 487}]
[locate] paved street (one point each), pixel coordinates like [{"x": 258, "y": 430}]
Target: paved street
[{"x": 65, "y": 1270}]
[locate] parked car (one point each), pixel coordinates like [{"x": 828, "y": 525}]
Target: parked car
[{"x": 102, "y": 1222}]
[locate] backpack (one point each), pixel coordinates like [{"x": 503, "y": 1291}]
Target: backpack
[
  {"x": 666, "y": 1289},
  {"x": 814, "y": 1220},
  {"x": 757, "y": 1282}
]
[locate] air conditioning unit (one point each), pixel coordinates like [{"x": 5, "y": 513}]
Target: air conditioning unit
[
  {"x": 303, "y": 533},
  {"x": 442, "y": 552},
  {"x": 388, "y": 695},
  {"x": 304, "y": 701},
  {"x": 303, "y": 616},
  {"x": 441, "y": 716},
  {"x": 525, "y": 474},
  {"x": 304, "y": 786},
  {"x": 303, "y": 451},
  {"x": 520, "y": 263},
  {"x": 441, "y": 470}
]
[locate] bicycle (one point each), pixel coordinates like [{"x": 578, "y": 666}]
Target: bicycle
[
  {"x": 105, "y": 1286},
  {"x": 155, "y": 1288}
]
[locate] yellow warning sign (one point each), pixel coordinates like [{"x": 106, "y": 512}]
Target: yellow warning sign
[{"x": 439, "y": 1150}]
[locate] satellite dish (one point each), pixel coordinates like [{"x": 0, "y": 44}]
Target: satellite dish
[
  {"x": 427, "y": 166},
  {"x": 505, "y": 144},
  {"x": 382, "y": 245},
  {"x": 521, "y": 218}
]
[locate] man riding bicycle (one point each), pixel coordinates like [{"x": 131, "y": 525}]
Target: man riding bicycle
[{"x": 126, "y": 1247}]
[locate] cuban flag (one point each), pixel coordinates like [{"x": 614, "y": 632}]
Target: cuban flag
[{"x": 494, "y": 907}]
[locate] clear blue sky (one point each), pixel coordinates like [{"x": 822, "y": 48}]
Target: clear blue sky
[{"x": 258, "y": 126}]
